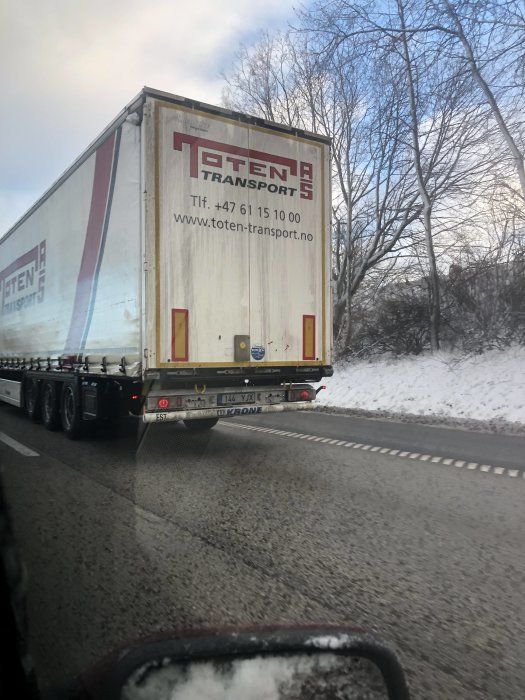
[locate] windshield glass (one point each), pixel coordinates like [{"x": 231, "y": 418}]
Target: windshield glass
[{"x": 262, "y": 342}]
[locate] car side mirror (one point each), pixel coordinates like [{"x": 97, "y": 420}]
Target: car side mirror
[{"x": 269, "y": 664}]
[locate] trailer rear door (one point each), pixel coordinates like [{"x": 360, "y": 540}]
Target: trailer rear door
[{"x": 241, "y": 241}]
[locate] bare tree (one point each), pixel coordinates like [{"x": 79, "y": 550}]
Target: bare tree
[
  {"x": 475, "y": 26},
  {"x": 489, "y": 35}
]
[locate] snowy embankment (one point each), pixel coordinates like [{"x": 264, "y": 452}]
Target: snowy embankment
[{"x": 489, "y": 388}]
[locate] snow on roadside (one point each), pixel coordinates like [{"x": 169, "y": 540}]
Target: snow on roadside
[{"x": 488, "y": 387}]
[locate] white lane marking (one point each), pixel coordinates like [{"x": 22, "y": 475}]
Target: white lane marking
[
  {"x": 472, "y": 466},
  {"x": 22, "y": 449}
]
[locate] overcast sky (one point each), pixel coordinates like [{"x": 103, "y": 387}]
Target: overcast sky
[{"x": 69, "y": 67}]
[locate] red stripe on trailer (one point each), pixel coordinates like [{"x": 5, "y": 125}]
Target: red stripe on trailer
[
  {"x": 86, "y": 275},
  {"x": 196, "y": 142}
]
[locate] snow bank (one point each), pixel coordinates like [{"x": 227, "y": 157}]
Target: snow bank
[{"x": 488, "y": 387}]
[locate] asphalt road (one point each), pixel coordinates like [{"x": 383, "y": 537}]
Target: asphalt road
[{"x": 248, "y": 525}]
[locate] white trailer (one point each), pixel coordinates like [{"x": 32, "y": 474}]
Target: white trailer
[{"x": 180, "y": 270}]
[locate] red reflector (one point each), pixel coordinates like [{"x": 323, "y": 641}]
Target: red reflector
[
  {"x": 304, "y": 395},
  {"x": 163, "y": 403}
]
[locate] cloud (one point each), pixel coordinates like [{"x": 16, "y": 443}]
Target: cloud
[{"x": 72, "y": 66}]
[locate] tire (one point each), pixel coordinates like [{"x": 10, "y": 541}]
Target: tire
[
  {"x": 32, "y": 403},
  {"x": 70, "y": 412},
  {"x": 200, "y": 424},
  {"x": 49, "y": 405}
]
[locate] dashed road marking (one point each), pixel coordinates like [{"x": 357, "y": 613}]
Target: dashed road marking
[
  {"x": 18, "y": 446},
  {"x": 435, "y": 459}
]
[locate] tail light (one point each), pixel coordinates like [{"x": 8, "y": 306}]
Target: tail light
[
  {"x": 304, "y": 393},
  {"x": 164, "y": 403}
]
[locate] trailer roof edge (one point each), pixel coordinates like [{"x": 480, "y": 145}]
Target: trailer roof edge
[{"x": 233, "y": 114}]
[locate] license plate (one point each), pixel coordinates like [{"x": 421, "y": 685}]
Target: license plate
[{"x": 230, "y": 399}]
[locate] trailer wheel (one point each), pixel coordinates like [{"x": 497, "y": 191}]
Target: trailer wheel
[
  {"x": 32, "y": 399},
  {"x": 198, "y": 424},
  {"x": 70, "y": 412},
  {"x": 49, "y": 405}
]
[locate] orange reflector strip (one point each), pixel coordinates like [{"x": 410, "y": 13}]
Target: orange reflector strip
[
  {"x": 308, "y": 337},
  {"x": 179, "y": 335}
]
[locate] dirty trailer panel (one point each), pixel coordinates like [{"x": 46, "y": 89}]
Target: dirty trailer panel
[
  {"x": 70, "y": 276},
  {"x": 241, "y": 243}
]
